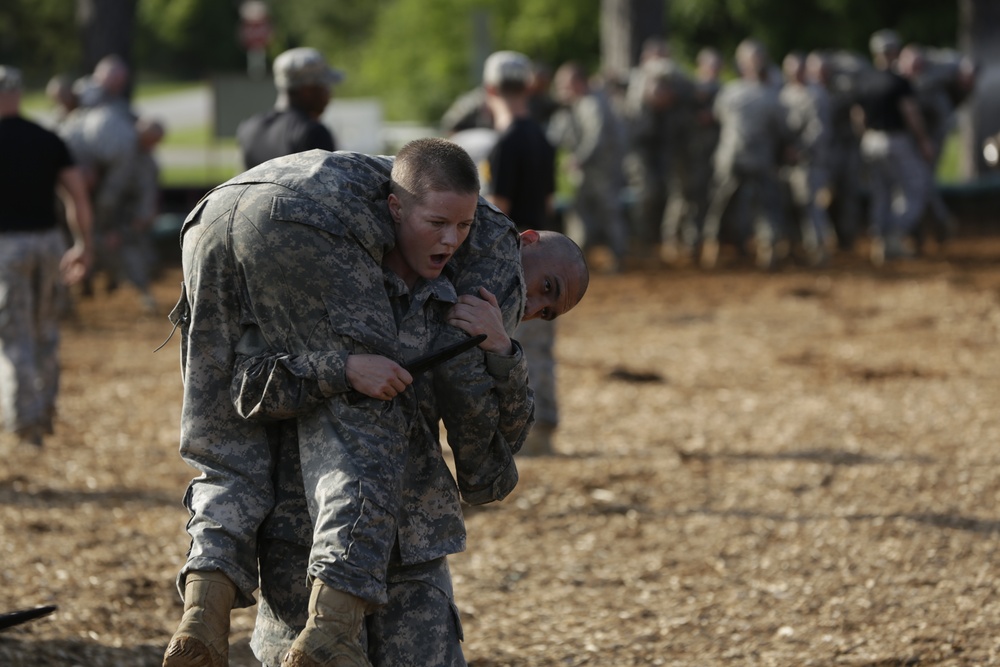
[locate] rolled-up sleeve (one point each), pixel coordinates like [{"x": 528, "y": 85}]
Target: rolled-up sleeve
[{"x": 272, "y": 386}]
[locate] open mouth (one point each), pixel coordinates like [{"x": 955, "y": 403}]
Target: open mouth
[{"x": 440, "y": 259}]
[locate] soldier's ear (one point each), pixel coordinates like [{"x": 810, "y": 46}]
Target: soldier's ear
[
  {"x": 529, "y": 236},
  {"x": 395, "y": 207}
]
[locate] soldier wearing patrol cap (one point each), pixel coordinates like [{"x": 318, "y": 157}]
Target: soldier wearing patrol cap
[{"x": 304, "y": 81}]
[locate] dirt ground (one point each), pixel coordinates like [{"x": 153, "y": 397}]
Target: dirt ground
[{"x": 791, "y": 468}]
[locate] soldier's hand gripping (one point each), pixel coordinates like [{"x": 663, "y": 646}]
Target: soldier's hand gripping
[
  {"x": 377, "y": 376},
  {"x": 475, "y": 315}
]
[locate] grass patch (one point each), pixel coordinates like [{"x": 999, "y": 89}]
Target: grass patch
[
  {"x": 196, "y": 137},
  {"x": 150, "y": 89},
  {"x": 35, "y": 102},
  {"x": 196, "y": 175},
  {"x": 950, "y": 165}
]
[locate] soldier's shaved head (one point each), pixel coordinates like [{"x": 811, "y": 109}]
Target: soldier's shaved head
[
  {"x": 555, "y": 273},
  {"x": 433, "y": 165}
]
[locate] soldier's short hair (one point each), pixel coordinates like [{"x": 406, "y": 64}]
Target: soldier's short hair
[
  {"x": 751, "y": 56},
  {"x": 433, "y": 164},
  {"x": 885, "y": 41}
]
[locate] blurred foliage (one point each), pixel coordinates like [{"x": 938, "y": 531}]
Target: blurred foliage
[
  {"x": 40, "y": 37},
  {"x": 817, "y": 24},
  {"x": 418, "y": 77},
  {"x": 417, "y": 56},
  {"x": 188, "y": 38}
]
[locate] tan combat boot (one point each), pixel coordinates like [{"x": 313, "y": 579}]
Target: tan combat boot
[
  {"x": 202, "y": 638},
  {"x": 332, "y": 636},
  {"x": 539, "y": 441}
]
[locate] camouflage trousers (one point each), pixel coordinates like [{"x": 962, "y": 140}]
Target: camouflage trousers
[
  {"x": 809, "y": 222},
  {"x": 648, "y": 173},
  {"x": 537, "y": 339},
  {"x": 752, "y": 197},
  {"x": 598, "y": 205},
  {"x": 687, "y": 202},
  {"x": 29, "y": 327},
  {"x": 900, "y": 182},
  {"x": 261, "y": 259},
  {"x": 137, "y": 257},
  {"x": 419, "y": 625},
  {"x": 846, "y": 186}
]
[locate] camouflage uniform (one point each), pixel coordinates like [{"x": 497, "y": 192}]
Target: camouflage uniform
[
  {"x": 752, "y": 129},
  {"x": 697, "y": 138},
  {"x": 104, "y": 142},
  {"x": 935, "y": 90},
  {"x": 419, "y": 624},
  {"x": 29, "y": 327},
  {"x": 318, "y": 223},
  {"x": 269, "y": 255},
  {"x": 656, "y": 108},
  {"x": 845, "y": 164},
  {"x": 141, "y": 205},
  {"x": 809, "y": 122},
  {"x": 538, "y": 337},
  {"x": 594, "y": 136}
]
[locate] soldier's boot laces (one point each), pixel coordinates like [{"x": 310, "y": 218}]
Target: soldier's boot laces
[
  {"x": 202, "y": 638},
  {"x": 332, "y": 636}
]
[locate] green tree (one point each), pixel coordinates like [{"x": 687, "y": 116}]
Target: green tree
[
  {"x": 40, "y": 37},
  {"x": 188, "y": 38},
  {"x": 785, "y": 26},
  {"x": 422, "y": 55},
  {"x": 417, "y": 56}
]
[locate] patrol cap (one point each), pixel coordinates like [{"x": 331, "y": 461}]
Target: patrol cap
[
  {"x": 10, "y": 79},
  {"x": 885, "y": 40},
  {"x": 304, "y": 66},
  {"x": 506, "y": 67}
]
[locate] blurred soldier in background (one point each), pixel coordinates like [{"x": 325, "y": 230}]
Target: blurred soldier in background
[
  {"x": 805, "y": 178},
  {"x": 942, "y": 79},
  {"x": 467, "y": 112},
  {"x": 522, "y": 161},
  {"x": 753, "y": 133},
  {"x": 591, "y": 134},
  {"x": 697, "y": 135},
  {"x": 305, "y": 83},
  {"x": 35, "y": 166},
  {"x": 64, "y": 99},
  {"x": 101, "y": 134},
  {"x": 837, "y": 73},
  {"x": 541, "y": 103},
  {"x": 522, "y": 172},
  {"x": 653, "y": 101},
  {"x": 897, "y": 148},
  {"x": 142, "y": 200}
]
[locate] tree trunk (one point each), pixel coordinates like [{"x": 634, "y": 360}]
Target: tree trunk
[
  {"x": 106, "y": 27},
  {"x": 979, "y": 37},
  {"x": 625, "y": 25}
]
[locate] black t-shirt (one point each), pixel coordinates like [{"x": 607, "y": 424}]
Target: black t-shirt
[
  {"x": 879, "y": 93},
  {"x": 522, "y": 169},
  {"x": 31, "y": 158},
  {"x": 275, "y": 133}
]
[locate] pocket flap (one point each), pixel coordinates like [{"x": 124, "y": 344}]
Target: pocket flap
[{"x": 305, "y": 211}]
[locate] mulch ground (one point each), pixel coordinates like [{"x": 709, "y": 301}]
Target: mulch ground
[{"x": 786, "y": 468}]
